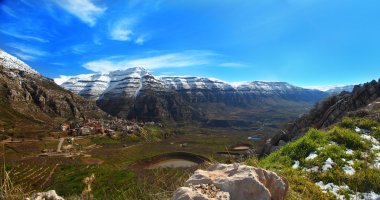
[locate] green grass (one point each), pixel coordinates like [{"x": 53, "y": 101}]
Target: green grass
[
  {"x": 68, "y": 180},
  {"x": 327, "y": 144},
  {"x": 364, "y": 123},
  {"x": 348, "y": 138},
  {"x": 105, "y": 140},
  {"x": 115, "y": 183}
]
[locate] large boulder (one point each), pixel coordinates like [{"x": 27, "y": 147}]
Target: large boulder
[
  {"x": 233, "y": 181},
  {"x": 49, "y": 195}
]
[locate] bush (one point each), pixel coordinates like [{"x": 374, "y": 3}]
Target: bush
[
  {"x": 348, "y": 123},
  {"x": 365, "y": 181},
  {"x": 347, "y": 137},
  {"x": 364, "y": 123},
  {"x": 302, "y": 147}
]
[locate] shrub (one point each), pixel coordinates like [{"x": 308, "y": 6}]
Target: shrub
[
  {"x": 365, "y": 181},
  {"x": 335, "y": 152},
  {"x": 302, "y": 147},
  {"x": 347, "y": 137},
  {"x": 348, "y": 123},
  {"x": 366, "y": 123}
]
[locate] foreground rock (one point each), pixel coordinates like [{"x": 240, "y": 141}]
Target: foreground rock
[
  {"x": 234, "y": 181},
  {"x": 50, "y": 195}
]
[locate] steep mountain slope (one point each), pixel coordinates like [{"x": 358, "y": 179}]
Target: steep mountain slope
[
  {"x": 329, "y": 111},
  {"x": 137, "y": 94},
  {"x": 30, "y": 102}
]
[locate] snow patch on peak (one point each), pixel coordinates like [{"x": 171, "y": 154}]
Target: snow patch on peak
[
  {"x": 188, "y": 83},
  {"x": 131, "y": 81},
  {"x": 11, "y": 62}
]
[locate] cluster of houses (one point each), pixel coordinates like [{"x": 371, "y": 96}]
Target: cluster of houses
[{"x": 108, "y": 127}]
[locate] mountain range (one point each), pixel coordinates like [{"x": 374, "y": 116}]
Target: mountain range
[{"x": 137, "y": 94}]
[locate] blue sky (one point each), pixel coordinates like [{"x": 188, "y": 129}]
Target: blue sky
[{"x": 303, "y": 42}]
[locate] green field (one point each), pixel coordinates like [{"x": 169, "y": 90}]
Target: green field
[{"x": 117, "y": 177}]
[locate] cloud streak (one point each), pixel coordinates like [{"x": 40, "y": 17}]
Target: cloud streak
[
  {"x": 26, "y": 52},
  {"x": 8, "y": 11},
  {"x": 232, "y": 64},
  {"x": 85, "y": 10},
  {"x": 122, "y": 30},
  {"x": 171, "y": 60},
  {"x": 24, "y": 37}
]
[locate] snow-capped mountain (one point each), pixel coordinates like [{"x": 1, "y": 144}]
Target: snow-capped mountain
[
  {"x": 126, "y": 83},
  {"x": 338, "y": 89},
  {"x": 133, "y": 80},
  {"x": 136, "y": 93},
  {"x": 32, "y": 103},
  {"x": 332, "y": 89},
  {"x": 10, "y": 62}
]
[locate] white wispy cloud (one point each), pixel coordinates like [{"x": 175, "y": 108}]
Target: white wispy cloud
[
  {"x": 58, "y": 63},
  {"x": 24, "y": 56},
  {"x": 232, "y": 64},
  {"x": 23, "y": 37},
  {"x": 85, "y": 10},
  {"x": 27, "y": 49},
  {"x": 170, "y": 60},
  {"x": 61, "y": 79},
  {"x": 122, "y": 29},
  {"x": 79, "y": 48},
  {"x": 8, "y": 11},
  {"x": 25, "y": 52},
  {"x": 140, "y": 40}
]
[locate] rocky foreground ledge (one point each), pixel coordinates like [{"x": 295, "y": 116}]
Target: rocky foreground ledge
[
  {"x": 50, "y": 195},
  {"x": 233, "y": 181}
]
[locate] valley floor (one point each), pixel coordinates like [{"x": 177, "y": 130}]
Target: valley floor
[
  {"x": 340, "y": 162},
  {"x": 117, "y": 163}
]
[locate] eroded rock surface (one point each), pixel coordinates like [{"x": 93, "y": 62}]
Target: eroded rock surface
[
  {"x": 233, "y": 181},
  {"x": 49, "y": 195}
]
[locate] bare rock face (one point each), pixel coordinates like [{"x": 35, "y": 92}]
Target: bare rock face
[
  {"x": 49, "y": 195},
  {"x": 233, "y": 181}
]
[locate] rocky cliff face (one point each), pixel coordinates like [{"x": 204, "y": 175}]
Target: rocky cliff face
[
  {"x": 29, "y": 99},
  {"x": 137, "y": 94},
  {"x": 328, "y": 112},
  {"x": 235, "y": 182}
]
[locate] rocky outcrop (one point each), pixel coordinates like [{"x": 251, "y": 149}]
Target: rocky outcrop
[
  {"x": 28, "y": 99},
  {"x": 327, "y": 112},
  {"x": 233, "y": 181},
  {"x": 50, "y": 195}
]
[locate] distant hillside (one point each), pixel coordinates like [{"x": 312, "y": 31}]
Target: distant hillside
[
  {"x": 339, "y": 89},
  {"x": 31, "y": 103}
]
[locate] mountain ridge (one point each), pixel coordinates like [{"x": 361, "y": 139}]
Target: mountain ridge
[
  {"x": 32, "y": 103},
  {"x": 104, "y": 82},
  {"x": 141, "y": 95}
]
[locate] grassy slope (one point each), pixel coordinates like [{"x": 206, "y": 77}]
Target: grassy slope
[{"x": 333, "y": 144}]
